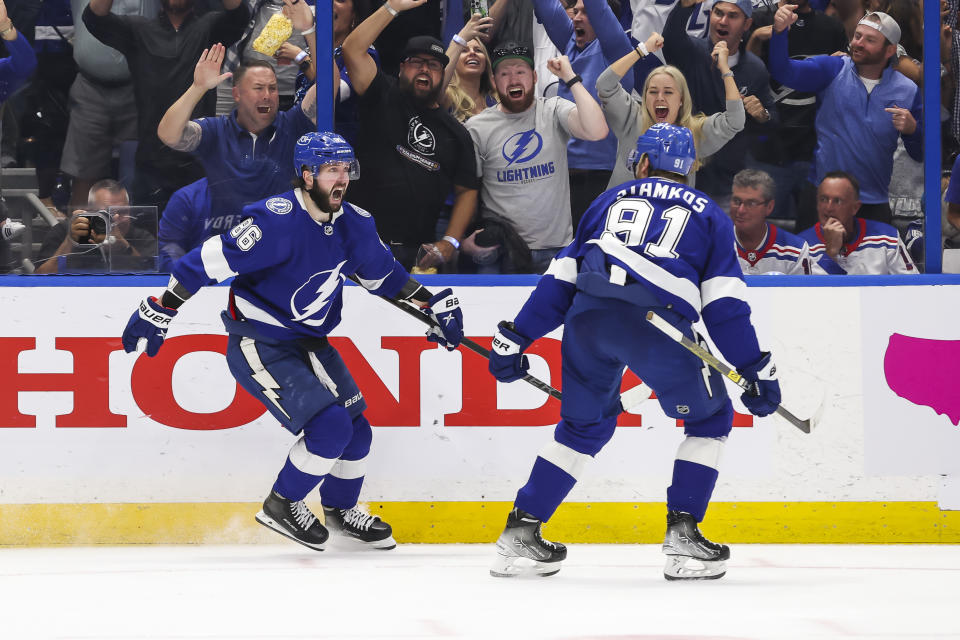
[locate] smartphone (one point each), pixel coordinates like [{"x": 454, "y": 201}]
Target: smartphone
[{"x": 479, "y": 6}]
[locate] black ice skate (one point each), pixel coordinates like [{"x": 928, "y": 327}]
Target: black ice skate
[
  {"x": 690, "y": 556},
  {"x": 521, "y": 550},
  {"x": 357, "y": 525},
  {"x": 294, "y": 520}
]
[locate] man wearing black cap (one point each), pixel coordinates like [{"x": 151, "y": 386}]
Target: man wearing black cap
[
  {"x": 521, "y": 147},
  {"x": 412, "y": 152}
]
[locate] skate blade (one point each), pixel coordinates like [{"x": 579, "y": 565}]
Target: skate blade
[
  {"x": 348, "y": 542},
  {"x": 271, "y": 524},
  {"x": 687, "y": 568},
  {"x": 520, "y": 567}
]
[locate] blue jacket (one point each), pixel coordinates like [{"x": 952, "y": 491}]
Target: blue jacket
[
  {"x": 610, "y": 45},
  {"x": 854, "y": 133},
  {"x": 17, "y": 68}
]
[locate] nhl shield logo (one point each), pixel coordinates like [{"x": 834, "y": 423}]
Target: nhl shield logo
[
  {"x": 752, "y": 256},
  {"x": 683, "y": 409},
  {"x": 327, "y": 230}
]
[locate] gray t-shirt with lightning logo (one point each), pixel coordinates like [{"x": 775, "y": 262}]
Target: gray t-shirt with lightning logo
[{"x": 522, "y": 164}]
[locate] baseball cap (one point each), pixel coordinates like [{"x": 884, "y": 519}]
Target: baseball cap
[
  {"x": 744, "y": 5},
  {"x": 886, "y": 25},
  {"x": 511, "y": 51},
  {"x": 426, "y": 45}
]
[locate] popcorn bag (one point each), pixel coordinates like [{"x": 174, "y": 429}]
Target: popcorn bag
[{"x": 277, "y": 31}]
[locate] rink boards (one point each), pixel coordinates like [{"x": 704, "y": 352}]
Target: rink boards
[{"x": 99, "y": 446}]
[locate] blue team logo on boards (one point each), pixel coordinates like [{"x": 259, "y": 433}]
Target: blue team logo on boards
[
  {"x": 280, "y": 206},
  {"x": 310, "y": 304},
  {"x": 521, "y": 147}
]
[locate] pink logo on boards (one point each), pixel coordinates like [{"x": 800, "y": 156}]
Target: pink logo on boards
[{"x": 925, "y": 372}]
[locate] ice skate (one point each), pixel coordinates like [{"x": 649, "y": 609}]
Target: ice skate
[
  {"x": 357, "y": 525},
  {"x": 294, "y": 520},
  {"x": 690, "y": 556},
  {"x": 521, "y": 550}
]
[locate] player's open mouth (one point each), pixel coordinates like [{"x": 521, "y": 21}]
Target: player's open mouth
[
  {"x": 336, "y": 193},
  {"x": 660, "y": 113},
  {"x": 580, "y": 33},
  {"x": 263, "y": 109}
]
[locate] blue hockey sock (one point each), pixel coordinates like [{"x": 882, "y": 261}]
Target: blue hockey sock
[
  {"x": 546, "y": 488},
  {"x": 293, "y": 484},
  {"x": 339, "y": 492},
  {"x": 691, "y": 489}
]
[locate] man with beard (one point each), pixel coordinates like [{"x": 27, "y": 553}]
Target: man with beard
[
  {"x": 290, "y": 256},
  {"x": 729, "y": 21},
  {"x": 521, "y": 149},
  {"x": 413, "y": 152},
  {"x": 161, "y": 53},
  {"x": 865, "y": 106},
  {"x": 245, "y": 154}
]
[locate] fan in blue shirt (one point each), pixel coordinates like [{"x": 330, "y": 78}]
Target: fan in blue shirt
[{"x": 245, "y": 154}]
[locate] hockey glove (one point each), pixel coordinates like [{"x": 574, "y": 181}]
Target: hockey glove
[
  {"x": 763, "y": 396},
  {"x": 149, "y": 322},
  {"x": 507, "y": 362},
  {"x": 444, "y": 309}
]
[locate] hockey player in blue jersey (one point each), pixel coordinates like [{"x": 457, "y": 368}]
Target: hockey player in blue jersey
[
  {"x": 289, "y": 257},
  {"x": 651, "y": 244}
]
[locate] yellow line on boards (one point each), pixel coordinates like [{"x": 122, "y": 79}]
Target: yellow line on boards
[{"x": 472, "y": 522}]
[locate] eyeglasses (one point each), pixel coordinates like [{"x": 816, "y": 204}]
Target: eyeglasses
[
  {"x": 749, "y": 204},
  {"x": 429, "y": 63}
]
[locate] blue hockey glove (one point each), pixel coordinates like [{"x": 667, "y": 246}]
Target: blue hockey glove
[
  {"x": 764, "y": 395},
  {"x": 150, "y": 322},
  {"x": 444, "y": 308},
  {"x": 507, "y": 362}
]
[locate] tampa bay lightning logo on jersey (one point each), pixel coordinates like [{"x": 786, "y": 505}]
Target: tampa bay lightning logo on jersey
[
  {"x": 522, "y": 147},
  {"x": 420, "y": 138},
  {"x": 310, "y": 304},
  {"x": 280, "y": 206}
]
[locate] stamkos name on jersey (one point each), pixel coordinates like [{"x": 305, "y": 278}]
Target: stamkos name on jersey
[
  {"x": 665, "y": 191},
  {"x": 526, "y": 174}
]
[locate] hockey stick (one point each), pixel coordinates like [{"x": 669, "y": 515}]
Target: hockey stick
[
  {"x": 694, "y": 348},
  {"x": 628, "y": 399}
]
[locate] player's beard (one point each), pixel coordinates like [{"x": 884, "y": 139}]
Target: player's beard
[
  {"x": 321, "y": 198},
  {"x": 422, "y": 100}
]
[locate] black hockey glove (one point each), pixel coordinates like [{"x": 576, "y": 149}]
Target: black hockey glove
[
  {"x": 507, "y": 362},
  {"x": 150, "y": 322},
  {"x": 763, "y": 397}
]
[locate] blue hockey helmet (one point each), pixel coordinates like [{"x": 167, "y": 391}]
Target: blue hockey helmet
[
  {"x": 318, "y": 148},
  {"x": 669, "y": 148}
]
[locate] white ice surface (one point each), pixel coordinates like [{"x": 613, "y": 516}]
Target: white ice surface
[{"x": 444, "y": 591}]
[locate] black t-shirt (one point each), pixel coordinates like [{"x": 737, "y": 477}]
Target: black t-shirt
[
  {"x": 410, "y": 160},
  {"x": 814, "y": 33},
  {"x": 162, "y": 60}
]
